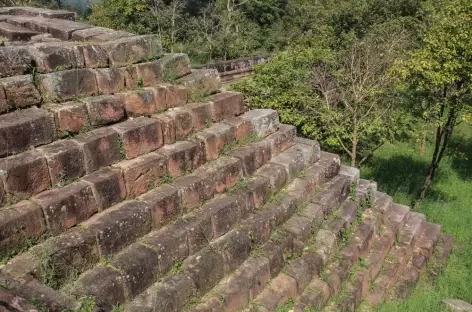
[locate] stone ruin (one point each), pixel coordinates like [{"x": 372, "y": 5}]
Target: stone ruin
[{"x": 129, "y": 182}]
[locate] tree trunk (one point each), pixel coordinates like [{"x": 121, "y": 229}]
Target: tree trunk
[
  {"x": 423, "y": 141},
  {"x": 354, "y": 148}
]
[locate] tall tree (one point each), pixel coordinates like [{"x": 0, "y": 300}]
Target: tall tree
[{"x": 439, "y": 75}]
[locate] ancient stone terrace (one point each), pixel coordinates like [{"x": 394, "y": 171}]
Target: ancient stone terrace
[{"x": 129, "y": 182}]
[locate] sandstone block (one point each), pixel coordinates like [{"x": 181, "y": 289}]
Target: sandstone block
[
  {"x": 190, "y": 190},
  {"x": 98, "y": 34},
  {"x": 262, "y": 152},
  {"x": 264, "y": 121},
  {"x": 175, "y": 65},
  {"x": 108, "y": 187},
  {"x": 65, "y": 161},
  {"x": 233, "y": 248},
  {"x": 201, "y": 81},
  {"x": 201, "y": 115},
  {"x": 19, "y": 223},
  {"x": 111, "y": 80},
  {"x": 280, "y": 290},
  {"x": 104, "y": 109},
  {"x": 199, "y": 230},
  {"x": 164, "y": 202},
  {"x": 292, "y": 160},
  {"x": 22, "y": 129},
  {"x": 138, "y": 265},
  {"x": 183, "y": 157},
  {"x": 131, "y": 50},
  {"x": 92, "y": 54},
  {"x": 67, "y": 206},
  {"x": 101, "y": 147},
  {"x": 300, "y": 227},
  {"x": 20, "y": 92},
  {"x": 457, "y": 305},
  {"x": 216, "y": 138},
  {"x": 70, "y": 117},
  {"x": 220, "y": 175},
  {"x": 176, "y": 95},
  {"x": 148, "y": 74},
  {"x": 144, "y": 102},
  {"x": 225, "y": 212},
  {"x": 226, "y": 105},
  {"x": 24, "y": 175},
  {"x": 139, "y": 136},
  {"x": 143, "y": 173},
  {"x": 282, "y": 139},
  {"x": 168, "y": 128},
  {"x": 276, "y": 174},
  {"x": 331, "y": 163},
  {"x": 56, "y": 56},
  {"x": 247, "y": 157},
  {"x": 301, "y": 271},
  {"x": 259, "y": 226},
  {"x": 244, "y": 128},
  {"x": 14, "y": 60},
  {"x": 68, "y": 84},
  {"x": 182, "y": 121}
]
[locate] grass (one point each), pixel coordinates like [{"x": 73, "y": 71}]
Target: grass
[{"x": 399, "y": 169}]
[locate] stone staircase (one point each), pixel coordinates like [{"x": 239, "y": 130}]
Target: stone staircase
[{"x": 129, "y": 182}]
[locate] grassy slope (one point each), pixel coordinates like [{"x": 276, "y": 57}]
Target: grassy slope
[{"x": 399, "y": 171}]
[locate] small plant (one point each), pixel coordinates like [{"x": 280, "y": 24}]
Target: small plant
[
  {"x": 353, "y": 191},
  {"x": 60, "y": 68},
  {"x": 359, "y": 216},
  {"x": 171, "y": 76},
  {"x": 369, "y": 198},
  {"x": 47, "y": 267},
  {"x": 363, "y": 263},
  {"x": 176, "y": 267},
  {"x": 105, "y": 260},
  {"x": 303, "y": 173},
  {"x": 62, "y": 179},
  {"x": 86, "y": 304},
  {"x": 121, "y": 149},
  {"x": 140, "y": 82},
  {"x": 167, "y": 179},
  {"x": 193, "y": 302},
  {"x": 240, "y": 185},
  {"x": 207, "y": 123}
]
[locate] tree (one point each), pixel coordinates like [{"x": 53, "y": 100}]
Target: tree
[{"x": 438, "y": 75}]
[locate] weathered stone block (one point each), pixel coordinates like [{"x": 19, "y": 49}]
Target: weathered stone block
[
  {"x": 282, "y": 139},
  {"x": 98, "y": 34},
  {"x": 20, "y": 92},
  {"x": 276, "y": 174},
  {"x": 24, "y": 175},
  {"x": 199, "y": 230},
  {"x": 225, "y": 212},
  {"x": 56, "y": 56},
  {"x": 67, "y": 206},
  {"x": 171, "y": 245},
  {"x": 131, "y": 50},
  {"x": 233, "y": 248},
  {"x": 263, "y": 153},
  {"x": 139, "y": 136},
  {"x": 301, "y": 271},
  {"x": 138, "y": 265},
  {"x": 65, "y": 161},
  {"x": 300, "y": 227},
  {"x": 292, "y": 160},
  {"x": 247, "y": 157},
  {"x": 70, "y": 117},
  {"x": 143, "y": 102},
  {"x": 148, "y": 74},
  {"x": 243, "y": 128},
  {"x": 168, "y": 128},
  {"x": 14, "y": 60},
  {"x": 264, "y": 121},
  {"x": 216, "y": 138},
  {"x": 120, "y": 226},
  {"x": 191, "y": 190},
  {"x": 182, "y": 121},
  {"x": 175, "y": 65},
  {"x": 104, "y": 109},
  {"x": 201, "y": 115},
  {"x": 164, "y": 202},
  {"x": 176, "y": 95},
  {"x": 108, "y": 187},
  {"x": 22, "y": 129},
  {"x": 259, "y": 226},
  {"x": 101, "y": 147},
  {"x": 278, "y": 292},
  {"x": 183, "y": 157},
  {"x": 111, "y": 80},
  {"x": 226, "y": 105},
  {"x": 201, "y": 81},
  {"x": 23, "y": 221},
  {"x": 68, "y": 84},
  {"x": 331, "y": 163},
  {"x": 92, "y": 54},
  {"x": 143, "y": 173},
  {"x": 220, "y": 175}
]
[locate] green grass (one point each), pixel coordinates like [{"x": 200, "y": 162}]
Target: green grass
[{"x": 399, "y": 169}]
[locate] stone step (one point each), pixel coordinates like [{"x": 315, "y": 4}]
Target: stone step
[
  {"x": 248, "y": 269},
  {"x": 198, "y": 234},
  {"x": 66, "y": 206},
  {"x": 42, "y": 12},
  {"x": 16, "y": 33},
  {"x": 201, "y": 82}
]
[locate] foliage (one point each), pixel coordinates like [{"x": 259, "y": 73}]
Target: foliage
[{"x": 437, "y": 75}]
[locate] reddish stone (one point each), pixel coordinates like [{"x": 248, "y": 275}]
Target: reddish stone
[
  {"x": 20, "y": 91},
  {"x": 206, "y": 81},
  {"x": 92, "y": 54},
  {"x": 264, "y": 121},
  {"x": 25, "y": 174},
  {"x": 138, "y": 266},
  {"x": 111, "y": 80},
  {"x": 149, "y": 73},
  {"x": 175, "y": 65},
  {"x": 225, "y": 213},
  {"x": 183, "y": 157},
  {"x": 67, "y": 206},
  {"x": 143, "y": 173},
  {"x": 201, "y": 115},
  {"x": 65, "y": 161},
  {"x": 216, "y": 138},
  {"x": 101, "y": 147},
  {"x": 190, "y": 189},
  {"x": 131, "y": 50},
  {"x": 104, "y": 109},
  {"x": 219, "y": 175},
  {"x": 19, "y": 223},
  {"x": 168, "y": 128},
  {"x": 262, "y": 152},
  {"x": 176, "y": 96},
  {"x": 55, "y": 56},
  {"x": 164, "y": 202},
  {"x": 68, "y": 84},
  {"x": 143, "y": 102},
  {"x": 182, "y": 121},
  {"x": 301, "y": 271},
  {"x": 70, "y": 117},
  {"x": 108, "y": 187},
  {"x": 247, "y": 157},
  {"x": 278, "y": 292},
  {"x": 139, "y": 136},
  {"x": 22, "y": 129},
  {"x": 14, "y": 60},
  {"x": 234, "y": 248},
  {"x": 292, "y": 160},
  {"x": 243, "y": 128},
  {"x": 282, "y": 139},
  {"x": 276, "y": 174},
  {"x": 300, "y": 227},
  {"x": 259, "y": 226},
  {"x": 226, "y": 105}
]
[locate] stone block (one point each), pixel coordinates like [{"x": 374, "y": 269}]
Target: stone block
[
  {"x": 65, "y": 161},
  {"x": 243, "y": 129},
  {"x": 103, "y": 283},
  {"x": 67, "y": 206},
  {"x": 98, "y": 34},
  {"x": 259, "y": 226},
  {"x": 171, "y": 246},
  {"x": 164, "y": 202},
  {"x": 183, "y": 157},
  {"x": 24, "y": 175},
  {"x": 131, "y": 50},
  {"x": 333, "y": 194},
  {"x": 101, "y": 148},
  {"x": 201, "y": 115},
  {"x": 457, "y": 305},
  {"x": 70, "y": 118},
  {"x": 276, "y": 174},
  {"x": 220, "y": 175},
  {"x": 20, "y": 92},
  {"x": 143, "y": 173},
  {"x": 278, "y": 292},
  {"x": 111, "y": 80},
  {"x": 233, "y": 248},
  {"x": 14, "y": 60},
  {"x": 258, "y": 189},
  {"x": 144, "y": 102},
  {"x": 68, "y": 84},
  {"x": 139, "y": 136},
  {"x": 92, "y": 54},
  {"x": 216, "y": 138},
  {"x": 190, "y": 190},
  {"x": 331, "y": 163},
  {"x": 104, "y": 109},
  {"x": 174, "y": 65},
  {"x": 300, "y": 227},
  {"x": 301, "y": 271},
  {"x": 176, "y": 96},
  {"x": 108, "y": 187},
  {"x": 22, "y": 129},
  {"x": 292, "y": 160},
  {"x": 148, "y": 74},
  {"x": 56, "y": 56},
  {"x": 262, "y": 152},
  {"x": 282, "y": 139},
  {"x": 199, "y": 230},
  {"x": 120, "y": 226},
  {"x": 182, "y": 121},
  {"x": 138, "y": 265},
  {"x": 247, "y": 157},
  {"x": 18, "y": 224},
  {"x": 264, "y": 121},
  {"x": 225, "y": 212},
  {"x": 201, "y": 81},
  {"x": 225, "y": 105},
  {"x": 206, "y": 269}
]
